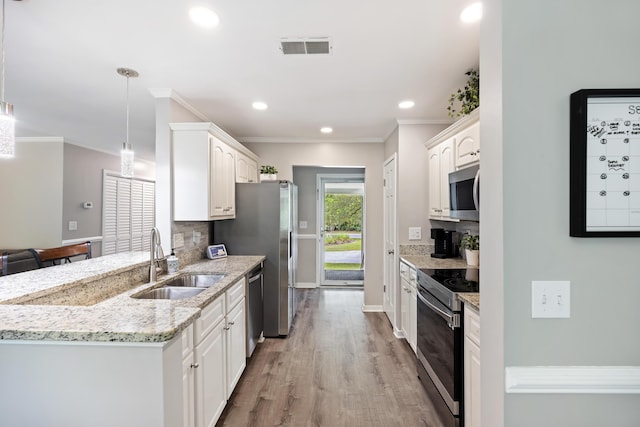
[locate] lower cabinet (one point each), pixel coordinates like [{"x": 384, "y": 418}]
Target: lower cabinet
[
  {"x": 219, "y": 354},
  {"x": 409, "y": 304},
  {"x": 471, "y": 367}
]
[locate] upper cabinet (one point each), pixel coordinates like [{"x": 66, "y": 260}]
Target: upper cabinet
[
  {"x": 204, "y": 163},
  {"x": 246, "y": 168},
  {"x": 468, "y": 146},
  {"x": 456, "y": 147}
]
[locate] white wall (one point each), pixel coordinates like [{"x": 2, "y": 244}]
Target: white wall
[
  {"x": 532, "y": 58},
  {"x": 31, "y": 213},
  {"x": 369, "y": 156}
]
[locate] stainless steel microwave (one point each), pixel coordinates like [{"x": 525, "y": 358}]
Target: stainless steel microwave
[{"x": 464, "y": 193}]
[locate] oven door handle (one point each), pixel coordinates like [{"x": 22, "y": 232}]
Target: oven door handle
[{"x": 452, "y": 319}]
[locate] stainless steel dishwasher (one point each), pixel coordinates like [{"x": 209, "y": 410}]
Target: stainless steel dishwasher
[{"x": 255, "y": 312}]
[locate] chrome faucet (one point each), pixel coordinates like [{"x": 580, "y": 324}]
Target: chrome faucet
[{"x": 156, "y": 255}]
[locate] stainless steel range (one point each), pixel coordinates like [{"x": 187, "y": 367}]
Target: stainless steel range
[{"x": 440, "y": 338}]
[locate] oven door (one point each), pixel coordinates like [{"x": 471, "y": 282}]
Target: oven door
[{"x": 440, "y": 349}]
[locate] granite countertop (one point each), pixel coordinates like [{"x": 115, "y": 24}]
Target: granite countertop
[
  {"x": 426, "y": 261},
  {"x": 61, "y": 303}
]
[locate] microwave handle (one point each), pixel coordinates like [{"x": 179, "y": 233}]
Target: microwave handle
[{"x": 476, "y": 187}]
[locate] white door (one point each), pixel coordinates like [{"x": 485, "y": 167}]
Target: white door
[{"x": 390, "y": 259}]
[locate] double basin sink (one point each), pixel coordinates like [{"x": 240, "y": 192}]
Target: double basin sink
[{"x": 182, "y": 287}]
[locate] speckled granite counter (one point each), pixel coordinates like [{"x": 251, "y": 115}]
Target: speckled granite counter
[
  {"x": 91, "y": 300},
  {"x": 422, "y": 261}
]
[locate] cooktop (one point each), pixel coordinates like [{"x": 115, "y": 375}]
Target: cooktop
[{"x": 456, "y": 279}]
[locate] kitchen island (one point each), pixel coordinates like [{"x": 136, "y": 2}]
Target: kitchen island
[{"x": 76, "y": 349}]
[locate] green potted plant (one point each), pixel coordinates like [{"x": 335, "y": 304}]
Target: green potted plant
[
  {"x": 469, "y": 96},
  {"x": 471, "y": 245},
  {"x": 268, "y": 173}
]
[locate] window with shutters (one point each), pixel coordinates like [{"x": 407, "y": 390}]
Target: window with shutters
[{"x": 128, "y": 213}]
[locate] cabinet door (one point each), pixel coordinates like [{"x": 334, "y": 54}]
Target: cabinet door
[
  {"x": 188, "y": 391},
  {"x": 404, "y": 308},
  {"x": 252, "y": 168},
  {"x": 236, "y": 346},
  {"x": 229, "y": 182},
  {"x": 242, "y": 168},
  {"x": 210, "y": 378},
  {"x": 217, "y": 197},
  {"x": 471, "y": 383},
  {"x": 413, "y": 318},
  {"x": 447, "y": 165},
  {"x": 468, "y": 145},
  {"x": 435, "y": 210}
]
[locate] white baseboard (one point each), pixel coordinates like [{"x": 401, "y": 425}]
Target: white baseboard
[
  {"x": 398, "y": 334},
  {"x": 306, "y": 285},
  {"x": 573, "y": 379},
  {"x": 372, "y": 308}
]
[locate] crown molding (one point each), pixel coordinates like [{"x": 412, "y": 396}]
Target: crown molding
[
  {"x": 161, "y": 93},
  {"x": 293, "y": 140}
]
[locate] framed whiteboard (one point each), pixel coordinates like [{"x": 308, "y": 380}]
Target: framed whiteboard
[{"x": 605, "y": 163}]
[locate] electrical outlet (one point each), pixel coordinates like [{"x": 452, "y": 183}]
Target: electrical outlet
[
  {"x": 178, "y": 240},
  {"x": 196, "y": 236},
  {"x": 551, "y": 299},
  {"x": 303, "y": 225},
  {"x": 415, "y": 233}
]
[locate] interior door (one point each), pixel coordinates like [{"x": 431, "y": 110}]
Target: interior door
[{"x": 390, "y": 258}]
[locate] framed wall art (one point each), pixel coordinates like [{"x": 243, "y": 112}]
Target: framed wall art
[{"x": 605, "y": 163}]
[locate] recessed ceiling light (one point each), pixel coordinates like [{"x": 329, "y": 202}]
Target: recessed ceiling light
[
  {"x": 326, "y": 129},
  {"x": 258, "y": 105},
  {"x": 472, "y": 13},
  {"x": 406, "y": 104},
  {"x": 204, "y": 17}
]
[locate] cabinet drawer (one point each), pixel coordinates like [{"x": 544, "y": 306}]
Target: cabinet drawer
[
  {"x": 404, "y": 270},
  {"x": 211, "y": 315},
  {"x": 472, "y": 325},
  {"x": 187, "y": 341},
  {"x": 235, "y": 293}
]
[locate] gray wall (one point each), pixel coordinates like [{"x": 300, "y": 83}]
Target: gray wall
[
  {"x": 533, "y": 56},
  {"x": 31, "y": 204},
  {"x": 305, "y": 178},
  {"x": 368, "y": 156}
]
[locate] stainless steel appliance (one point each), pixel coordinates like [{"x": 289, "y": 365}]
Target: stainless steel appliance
[
  {"x": 266, "y": 215},
  {"x": 440, "y": 339},
  {"x": 255, "y": 313},
  {"x": 464, "y": 193}
]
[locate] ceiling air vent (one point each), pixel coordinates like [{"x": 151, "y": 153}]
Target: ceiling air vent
[{"x": 319, "y": 45}]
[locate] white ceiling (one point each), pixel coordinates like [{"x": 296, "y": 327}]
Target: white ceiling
[{"x": 62, "y": 55}]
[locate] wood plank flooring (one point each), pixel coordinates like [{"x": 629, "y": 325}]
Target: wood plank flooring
[{"x": 338, "y": 367}]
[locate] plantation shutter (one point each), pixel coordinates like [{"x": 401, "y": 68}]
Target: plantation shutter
[{"x": 128, "y": 213}]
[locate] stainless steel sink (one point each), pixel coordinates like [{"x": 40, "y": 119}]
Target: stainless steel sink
[
  {"x": 196, "y": 280},
  {"x": 170, "y": 292}
]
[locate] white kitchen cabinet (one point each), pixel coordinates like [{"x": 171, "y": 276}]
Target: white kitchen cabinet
[
  {"x": 408, "y": 304},
  {"x": 188, "y": 378},
  {"x": 471, "y": 367},
  {"x": 203, "y": 162},
  {"x": 236, "y": 345},
  {"x": 210, "y": 390},
  {"x": 468, "y": 146},
  {"x": 223, "y": 181},
  {"x": 246, "y": 168},
  {"x": 441, "y": 163},
  {"x": 454, "y": 148}
]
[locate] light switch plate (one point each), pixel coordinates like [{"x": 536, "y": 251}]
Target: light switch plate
[
  {"x": 73, "y": 225},
  {"x": 551, "y": 299},
  {"x": 178, "y": 240},
  {"x": 196, "y": 236},
  {"x": 415, "y": 233}
]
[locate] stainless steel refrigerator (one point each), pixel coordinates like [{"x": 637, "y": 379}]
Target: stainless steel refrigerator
[{"x": 265, "y": 224}]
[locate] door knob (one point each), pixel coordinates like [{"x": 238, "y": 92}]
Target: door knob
[{"x": 391, "y": 252}]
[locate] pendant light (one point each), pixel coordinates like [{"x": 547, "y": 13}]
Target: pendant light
[
  {"x": 126, "y": 155},
  {"x": 7, "y": 122}
]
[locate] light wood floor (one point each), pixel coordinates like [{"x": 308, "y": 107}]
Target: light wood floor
[{"x": 338, "y": 367}]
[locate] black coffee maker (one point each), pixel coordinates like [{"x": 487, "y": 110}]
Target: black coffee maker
[{"x": 444, "y": 246}]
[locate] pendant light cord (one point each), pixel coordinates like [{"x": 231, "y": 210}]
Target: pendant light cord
[
  {"x": 127, "y": 110},
  {"x": 2, "y": 84}
]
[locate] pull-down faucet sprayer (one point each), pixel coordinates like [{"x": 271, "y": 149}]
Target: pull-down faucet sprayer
[{"x": 156, "y": 255}]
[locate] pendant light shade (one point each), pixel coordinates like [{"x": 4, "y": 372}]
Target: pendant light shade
[
  {"x": 127, "y": 155},
  {"x": 7, "y": 123}
]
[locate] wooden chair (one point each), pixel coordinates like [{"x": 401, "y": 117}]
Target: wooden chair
[
  {"x": 54, "y": 256},
  {"x": 3, "y": 263}
]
